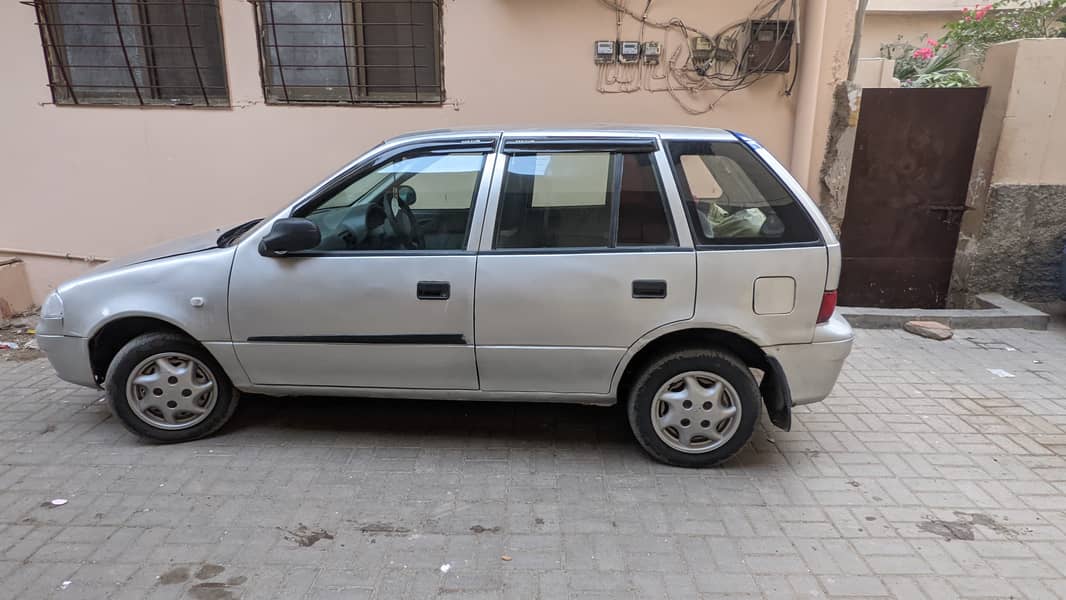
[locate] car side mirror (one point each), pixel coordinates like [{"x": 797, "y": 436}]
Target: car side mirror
[{"x": 290, "y": 235}]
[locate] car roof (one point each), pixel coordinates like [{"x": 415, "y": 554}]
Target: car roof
[{"x": 592, "y": 130}]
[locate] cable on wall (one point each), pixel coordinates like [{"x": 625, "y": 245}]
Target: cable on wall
[{"x": 697, "y": 87}]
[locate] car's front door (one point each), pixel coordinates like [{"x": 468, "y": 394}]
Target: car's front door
[
  {"x": 386, "y": 300},
  {"x": 580, "y": 256}
]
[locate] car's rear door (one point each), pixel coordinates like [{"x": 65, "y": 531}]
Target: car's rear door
[{"x": 582, "y": 253}]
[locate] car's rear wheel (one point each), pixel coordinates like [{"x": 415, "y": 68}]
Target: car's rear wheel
[
  {"x": 694, "y": 408},
  {"x": 166, "y": 387}
]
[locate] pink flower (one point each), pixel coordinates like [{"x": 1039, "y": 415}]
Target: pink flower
[
  {"x": 981, "y": 12},
  {"x": 923, "y": 53}
]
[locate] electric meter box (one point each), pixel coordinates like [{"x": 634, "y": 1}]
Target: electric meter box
[
  {"x": 628, "y": 52},
  {"x": 651, "y": 53},
  {"x": 604, "y": 52},
  {"x": 769, "y": 46}
]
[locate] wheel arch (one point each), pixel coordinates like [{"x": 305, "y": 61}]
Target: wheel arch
[
  {"x": 773, "y": 386},
  {"x": 110, "y": 337}
]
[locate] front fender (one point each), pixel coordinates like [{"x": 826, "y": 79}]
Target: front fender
[{"x": 188, "y": 291}]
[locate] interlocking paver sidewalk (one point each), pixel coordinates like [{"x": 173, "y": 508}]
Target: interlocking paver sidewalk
[{"x": 936, "y": 470}]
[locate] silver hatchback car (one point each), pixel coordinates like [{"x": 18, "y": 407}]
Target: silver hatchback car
[{"x": 682, "y": 272}]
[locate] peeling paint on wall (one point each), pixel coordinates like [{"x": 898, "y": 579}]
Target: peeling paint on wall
[{"x": 836, "y": 168}]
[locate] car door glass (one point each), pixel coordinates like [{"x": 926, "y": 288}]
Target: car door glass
[
  {"x": 566, "y": 200},
  {"x": 731, "y": 197},
  {"x": 642, "y": 216},
  {"x": 414, "y": 203},
  {"x": 555, "y": 200}
]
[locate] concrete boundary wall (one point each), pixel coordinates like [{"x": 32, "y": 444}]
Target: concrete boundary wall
[{"x": 1012, "y": 238}]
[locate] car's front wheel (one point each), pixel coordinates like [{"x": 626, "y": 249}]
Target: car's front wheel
[
  {"x": 166, "y": 387},
  {"x": 694, "y": 408}
]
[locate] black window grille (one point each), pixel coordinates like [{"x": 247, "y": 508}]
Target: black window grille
[
  {"x": 350, "y": 51},
  {"x": 137, "y": 52}
]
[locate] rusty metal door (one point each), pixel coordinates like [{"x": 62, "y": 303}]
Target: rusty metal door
[{"x": 910, "y": 171}]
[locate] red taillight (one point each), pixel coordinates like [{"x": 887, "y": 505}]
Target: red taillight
[{"x": 829, "y": 304}]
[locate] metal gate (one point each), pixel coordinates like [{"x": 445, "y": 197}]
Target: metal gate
[{"x": 910, "y": 171}]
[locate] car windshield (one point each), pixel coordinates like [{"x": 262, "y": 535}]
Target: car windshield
[{"x": 406, "y": 171}]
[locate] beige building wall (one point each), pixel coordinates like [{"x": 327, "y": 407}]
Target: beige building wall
[
  {"x": 875, "y": 73},
  {"x": 827, "y": 29},
  {"x": 1032, "y": 145},
  {"x": 887, "y": 27},
  {"x": 103, "y": 181}
]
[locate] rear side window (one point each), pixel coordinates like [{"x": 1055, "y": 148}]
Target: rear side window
[
  {"x": 581, "y": 200},
  {"x": 731, "y": 197}
]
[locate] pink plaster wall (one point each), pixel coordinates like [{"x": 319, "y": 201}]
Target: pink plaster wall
[{"x": 104, "y": 181}]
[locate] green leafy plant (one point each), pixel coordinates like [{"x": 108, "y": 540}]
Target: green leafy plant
[
  {"x": 1003, "y": 21},
  {"x": 945, "y": 78},
  {"x": 936, "y": 63},
  {"x": 933, "y": 64},
  {"x": 908, "y": 64}
]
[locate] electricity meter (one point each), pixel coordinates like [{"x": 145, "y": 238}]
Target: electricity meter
[
  {"x": 652, "y": 50},
  {"x": 604, "y": 52},
  {"x": 629, "y": 52},
  {"x": 701, "y": 49}
]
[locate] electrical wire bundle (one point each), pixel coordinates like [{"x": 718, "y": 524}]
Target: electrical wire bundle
[{"x": 686, "y": 80}]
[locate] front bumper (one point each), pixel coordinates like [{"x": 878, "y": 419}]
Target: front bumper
[
  {"x": 812, "y": 369},
  {"x": 69, "y": 356}
]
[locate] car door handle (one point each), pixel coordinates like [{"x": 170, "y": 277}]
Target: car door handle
[
  {"x": 649, "y": 288},
  {"x": 434, "y": 290}
]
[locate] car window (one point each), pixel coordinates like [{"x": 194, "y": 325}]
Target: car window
[
  {"x": 731, "y": 197},
  {"x": 642, "y": 213},
  {"x": 413, "y": 203},
  {"x": 555, "y": 201},
  {"x": 566, "y": 200},
  {"x": 577, "y": 180}
]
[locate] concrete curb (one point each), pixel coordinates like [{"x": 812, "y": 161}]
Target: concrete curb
[{"x": 1000, "y": 312}]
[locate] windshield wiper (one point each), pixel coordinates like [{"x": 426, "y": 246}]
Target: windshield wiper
[{"x": 232, "y": 234}]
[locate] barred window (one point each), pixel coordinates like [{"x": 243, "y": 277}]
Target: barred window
[
  {"x": 350, "y": 51},
  {"x": 139, "y": 52}
]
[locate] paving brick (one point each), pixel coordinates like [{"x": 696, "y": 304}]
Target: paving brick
[
  {"x": 852, "y": 503},
  {"x": 844, "y": 585},
  {"x": 985, "y": 587},
  {"x": 725, "y": 583}
]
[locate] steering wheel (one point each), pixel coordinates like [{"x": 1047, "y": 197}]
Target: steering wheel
[{"x": 397, "y": 205}]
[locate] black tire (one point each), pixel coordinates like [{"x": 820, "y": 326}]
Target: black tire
[
  {"x": 660, "y": 370},
  {"x": 141, "y": 348}
]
